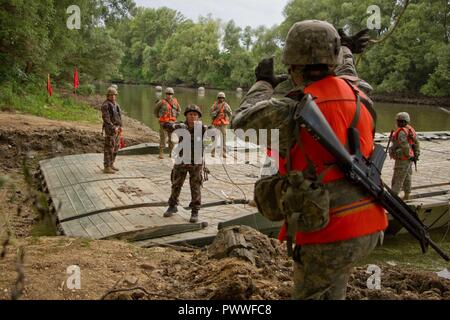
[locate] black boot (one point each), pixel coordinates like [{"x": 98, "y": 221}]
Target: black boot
[
  {"x": 170, "y": 211},
  {"x": 194, "y": 216}
]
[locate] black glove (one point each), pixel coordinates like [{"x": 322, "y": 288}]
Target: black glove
[
  {"x": 356, "y": 43},
  {"x": 264, "y": 71}
]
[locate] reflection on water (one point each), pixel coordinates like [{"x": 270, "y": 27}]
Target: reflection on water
[{"x": 138, "y": 101}]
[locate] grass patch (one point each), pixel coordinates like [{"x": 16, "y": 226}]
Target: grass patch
[
  {"x": 404, "y": 250},
  {"x": 35, "y": 101}
]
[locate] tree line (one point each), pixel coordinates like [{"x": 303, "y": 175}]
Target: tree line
[{"x": 119, "y": 41}]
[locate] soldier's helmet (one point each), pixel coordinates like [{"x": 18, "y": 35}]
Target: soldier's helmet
[
  {"x": 403, "y": 116},
  {"x": 221, "y": 95},
  {"x": 193, "y": 108},
  {"x": 111, "y": 91},
  {"x": 312, "y": 42},
  {"x": 170, "y": 90}
]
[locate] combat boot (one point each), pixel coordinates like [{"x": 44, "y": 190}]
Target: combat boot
[
  {"x": 170, "y": 211},
  {"x": 108, "y": 170},
  {"x": 161, "y": 153},
  {"x": 194, "y": 216},
  {"x": 114, "y": 168},
  {"x": 407, "y": 195}
]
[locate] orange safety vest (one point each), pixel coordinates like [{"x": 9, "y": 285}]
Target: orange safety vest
[
  {"x": 337, "y": 101},
  {"x": 169, "y": 115},
  {"x": 411, "y": 134},
  {"x": 221, "y": 118}
]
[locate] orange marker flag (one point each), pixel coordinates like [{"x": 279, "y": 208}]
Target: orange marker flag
[
  {"x": 49, "y": 86},
  {"x": 76, "y": 82}
]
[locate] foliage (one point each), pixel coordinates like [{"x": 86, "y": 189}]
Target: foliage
[{"x": 119, "y": 41}]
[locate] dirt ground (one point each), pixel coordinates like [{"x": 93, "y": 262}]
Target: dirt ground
[{"x": 118, "y": 270}]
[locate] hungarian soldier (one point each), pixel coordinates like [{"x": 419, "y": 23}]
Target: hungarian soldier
[
  {"x": 112, "y": 127},
  {"x": 167, "y": 110},
  {"x": 220, "y": 115},
  {"x": 184, "y": 164},
  {"x": 405, "y": 150}
]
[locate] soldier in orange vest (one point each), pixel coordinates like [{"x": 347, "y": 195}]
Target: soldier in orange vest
[
  {"x": 405, "y": 150},
  {"x": 220, "y": 115},
  {"x": 167, "y": 110},
  {"x": 324, "y": 254}
]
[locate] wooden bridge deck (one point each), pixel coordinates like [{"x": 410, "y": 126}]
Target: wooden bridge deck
[{"x": 95, "y": 205}]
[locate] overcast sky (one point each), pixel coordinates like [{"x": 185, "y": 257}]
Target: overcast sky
[{"x": 244, "y": 12}]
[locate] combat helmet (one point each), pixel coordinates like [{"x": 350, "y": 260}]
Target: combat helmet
[
  {"x": 193, "y": 108},
  {"x": 403, "y": 116},
  {"x": 221, "y": 95},
  {"x": 312, "y": 42},
  {"x": 170, "y": 90},
  {"x": 111, "y": 91}
]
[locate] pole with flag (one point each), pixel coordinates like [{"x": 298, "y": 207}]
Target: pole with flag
[
  {"x": 76, "y": 82},
  {"x": 49, "y": 86}
]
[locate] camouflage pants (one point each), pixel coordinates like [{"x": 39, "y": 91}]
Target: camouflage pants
[
  {"x": 223, "y": 131},
  {"x": 111, "y": 147},
  {"x": 178, "y": 176},
  {"x": 321, "y": 271},
  {"x": 401, "y": 180},
  {"x": 163, "y": 133}
]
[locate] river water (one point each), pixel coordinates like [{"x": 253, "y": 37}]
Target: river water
[{"x": 138, "y": 101}]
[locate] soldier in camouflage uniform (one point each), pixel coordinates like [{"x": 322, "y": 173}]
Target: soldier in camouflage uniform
[
  {"x": 220, "y": 115},
  {"x": 321, "y": 270},
  {"x": 112, "y": 126},
  {"x": 194, "y": 165},
  {"x": 405, "y": 150},
  {"x": 167, "y": 110}
]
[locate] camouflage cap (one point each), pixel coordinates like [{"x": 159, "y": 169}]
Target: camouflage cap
[
  {"x": 170, "y": 90},
  {"x": 312, "y": 42},
  {"x": 403, "y": 116},
  {"x": 193, "y": 108},
  {"x": 115, "y": 86},
  {"x": 221, "y": 95},
  {"x": 111, "y": 91}
]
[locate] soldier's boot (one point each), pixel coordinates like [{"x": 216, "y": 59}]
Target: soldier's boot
[
  {"x": 407, "y": 195},
  {"x": 194, "y": 216},
  {"x": 114, "y": 168},
  {"x": 161, "y": 153},
  {"x": 108, "y": 170},
  {"x": 170, "y": 211}
]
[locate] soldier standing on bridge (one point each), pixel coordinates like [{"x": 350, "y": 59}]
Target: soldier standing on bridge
[
  {"x": 194, "y": 164},
  {"x": 167, "y": 110},
  {"x": 220, "y": 115},
  {"x": 112, "y": 126},
  {"x": 405, "y": 150}
]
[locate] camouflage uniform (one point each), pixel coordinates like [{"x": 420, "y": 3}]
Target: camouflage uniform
[
  {"x": 180, "y": 171},
  {"x": 321, "y": 270},
  {"x": 214, "y": 112},
  {"x": 112, "y": 119},
  {"x": 401, "y": 180}
]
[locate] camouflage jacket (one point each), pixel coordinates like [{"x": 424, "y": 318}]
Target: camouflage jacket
[
  {"x": 194, "y": 135},
  {"x": 112, "y": 117},
  {"x": 215, "y": 109},
  {"x": 260, "y": 110}
]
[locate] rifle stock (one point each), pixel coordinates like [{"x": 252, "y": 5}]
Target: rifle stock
[{"x": 363, "y": 171}]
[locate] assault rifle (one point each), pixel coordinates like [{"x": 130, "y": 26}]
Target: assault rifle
[{"x": 366, "y": 172}]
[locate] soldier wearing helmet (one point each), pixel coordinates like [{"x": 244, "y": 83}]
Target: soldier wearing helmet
[
  {"x": 220, "y": 114},
  {"x": 112, "y": 126},
  {"x": 327, "y": 241},
  {"x": 167, "y": 110},
  {"x": 405, "y": 150},
  {"x": 194, "y": 165}
]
